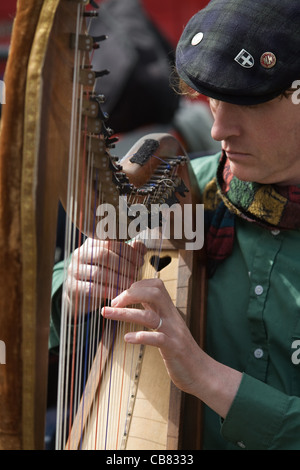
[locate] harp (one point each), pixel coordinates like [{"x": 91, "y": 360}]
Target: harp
[{"x": 48, "y": 77}]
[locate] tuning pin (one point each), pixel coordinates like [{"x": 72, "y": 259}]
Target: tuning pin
[
  {"x": 97, "y": 39},
  {"x": 110, "y": 142},
  {"x": 91, "y": 14},
  {"x": 101, "y": 38},
  {"x": 100, "y": 98},
  {"x": 93, "y": 4},
  {"x": 108, "y": 131},
  {"x": 102, "y": 73}
]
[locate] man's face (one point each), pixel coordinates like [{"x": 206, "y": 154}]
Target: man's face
[{"x": 262, "y": 142}]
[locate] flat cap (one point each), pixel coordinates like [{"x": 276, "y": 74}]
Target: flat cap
[{"x": 241, "y": 51}]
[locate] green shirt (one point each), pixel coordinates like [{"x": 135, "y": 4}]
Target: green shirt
[{"x": 253, "y": 324}]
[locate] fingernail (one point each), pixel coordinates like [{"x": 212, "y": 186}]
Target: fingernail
[
  {"x": 106, "y": 311},
  {"x": 129, "y": 337}
]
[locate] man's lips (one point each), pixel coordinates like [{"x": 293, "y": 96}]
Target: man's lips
[{"x": 235, "y": 154}]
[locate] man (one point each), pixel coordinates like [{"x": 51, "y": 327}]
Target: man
[{"x": 244, "y": 55}]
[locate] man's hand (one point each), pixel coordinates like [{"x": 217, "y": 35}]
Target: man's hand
[{"x": 100, "y": 270}]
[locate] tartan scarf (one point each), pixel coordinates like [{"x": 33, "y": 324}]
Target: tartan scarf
[{"x": 226, "y": 197}]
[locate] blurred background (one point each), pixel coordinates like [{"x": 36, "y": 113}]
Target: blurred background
[
  {"x": 7, "y": 11},
  {"x": 169, "y": 15}
]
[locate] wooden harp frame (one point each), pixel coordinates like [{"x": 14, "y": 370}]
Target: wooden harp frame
[{"x": 33, "y": 147}]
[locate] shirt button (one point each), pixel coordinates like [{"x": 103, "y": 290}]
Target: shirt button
[
  {"x": 258, "y": 290},
  {"x": 258, "y": 353},
  {"x": 275, "y": 232},
  {"x": 241, "y": 445}
]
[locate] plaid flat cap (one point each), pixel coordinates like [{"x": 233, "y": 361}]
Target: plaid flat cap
[{"x": 241, "y": 51}]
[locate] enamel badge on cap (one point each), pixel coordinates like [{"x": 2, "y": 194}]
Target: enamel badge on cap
[
  {"x": 268, "y": 60},
  {"x": 197, "y": 39},
  {"x": 245, "y": 59}
]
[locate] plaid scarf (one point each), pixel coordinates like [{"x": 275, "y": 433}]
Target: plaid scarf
[{"x": 226, "y": 197}]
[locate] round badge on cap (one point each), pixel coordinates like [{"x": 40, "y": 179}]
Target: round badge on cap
[
  {"x": 197, "y": 39},
  {"x": 268, "y": 60}
]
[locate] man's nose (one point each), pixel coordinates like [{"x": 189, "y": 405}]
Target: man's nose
[{"x": 226, "y": 120}]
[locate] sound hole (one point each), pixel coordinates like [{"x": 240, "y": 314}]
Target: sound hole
[{"x": 160, "y": 262}]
